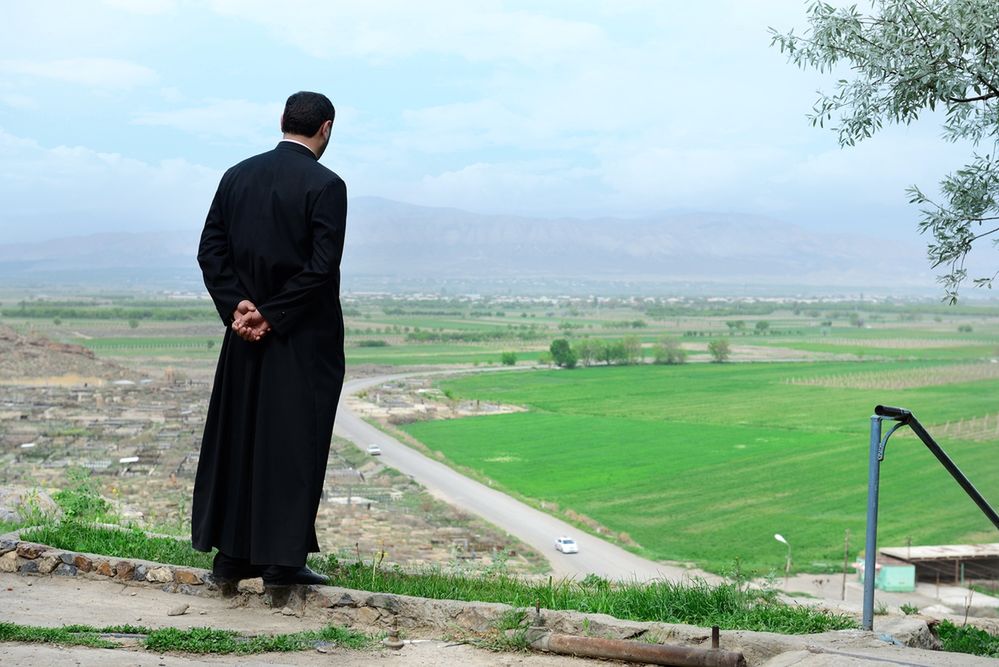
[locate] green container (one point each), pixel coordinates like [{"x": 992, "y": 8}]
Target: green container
[{"x": 896, "y": 578}]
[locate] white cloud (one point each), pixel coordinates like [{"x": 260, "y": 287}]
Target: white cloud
[
  {"x": 67, "y": 190},
  {"x": 230, "y": 119},
  {"x": 145, "y": 7},
  {"x": 518, "y": 187},
  {"x": 97, "y": 72},
  {"x": 18, "y": 101},
  {"x": 479, "y": 31}
]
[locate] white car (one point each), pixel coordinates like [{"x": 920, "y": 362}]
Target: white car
[
  {"x": 566, "y": 545},
  {"x": 374, "y": 450}
]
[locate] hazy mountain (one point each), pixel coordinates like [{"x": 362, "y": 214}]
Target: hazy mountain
[{"x": 392, "y": 240}]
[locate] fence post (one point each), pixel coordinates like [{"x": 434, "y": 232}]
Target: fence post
[{"x": 871, "y": 540}]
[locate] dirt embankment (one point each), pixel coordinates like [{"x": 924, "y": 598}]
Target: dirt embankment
[{"x": 28, "y": 359}]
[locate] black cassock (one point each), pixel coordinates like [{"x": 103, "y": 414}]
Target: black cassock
[{"x": 274, "y": 235}]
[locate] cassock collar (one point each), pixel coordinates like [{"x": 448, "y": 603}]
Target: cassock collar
[{"x": 297, "y": 147}]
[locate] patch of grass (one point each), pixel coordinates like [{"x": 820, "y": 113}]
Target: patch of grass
[
  {"x": 511, "y": 632},
  {"x": 194, "y": 640},
  {"x": 120, "y": 543},
  {"x": 7, "y": 526},
  {"x": 211, "y": 640},
  {"x": 74, "y": 635},
  {"x": 968, "y": 639},
  {"x": 81, "y": 500},
  {"x": 412, "y": 354},
  {"x": 730, "y": 606}
]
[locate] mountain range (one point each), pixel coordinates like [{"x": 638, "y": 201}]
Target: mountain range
[{"x": 391, "y": 242}]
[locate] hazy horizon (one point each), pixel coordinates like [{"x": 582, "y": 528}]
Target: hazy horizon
[{"x": 121, "y": 115}]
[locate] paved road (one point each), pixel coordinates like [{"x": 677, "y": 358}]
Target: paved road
[{"x": 527, "y": 524}]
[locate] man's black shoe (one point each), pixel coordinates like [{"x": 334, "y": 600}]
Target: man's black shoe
[
  {"x": 280, "y": 575},
  {"x": 229, "y": 568}
]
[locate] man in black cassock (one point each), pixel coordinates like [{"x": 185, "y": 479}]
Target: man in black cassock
[{"x": 270, "y": 254}]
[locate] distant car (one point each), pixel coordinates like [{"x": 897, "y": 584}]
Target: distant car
[
  {"x": 566, "y": 545},
  {"x": 374, "y": 450}
]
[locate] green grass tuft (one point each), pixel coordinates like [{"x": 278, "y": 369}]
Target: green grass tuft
[
  {"x": 67, "y": 636},
  {"x": 123, "y": 543},
  {"x": 211, "y": 640},
  {"x": 968, "y": 639},
  {"x": 730, "y": 606}
]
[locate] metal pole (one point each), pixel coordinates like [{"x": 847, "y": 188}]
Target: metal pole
[
  {"x": 955, "y": 472},
  {"x": 846, "y": 561},
  {"x": 871, "y": 541}
]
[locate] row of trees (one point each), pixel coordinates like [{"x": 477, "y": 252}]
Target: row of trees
[
  {"x": 626, "y": 351},
  {"x": 739, "y": 326}
]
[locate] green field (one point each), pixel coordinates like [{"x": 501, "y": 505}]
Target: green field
[{"x": 705, "y": 462}]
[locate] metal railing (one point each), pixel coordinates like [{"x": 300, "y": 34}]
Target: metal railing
[{"x": 903, "y": 417}]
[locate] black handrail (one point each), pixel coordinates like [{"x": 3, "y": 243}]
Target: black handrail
[{"x": 909, "y": 419}]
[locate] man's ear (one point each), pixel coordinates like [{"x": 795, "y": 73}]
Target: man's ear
[{"x": 281, "y": 122}]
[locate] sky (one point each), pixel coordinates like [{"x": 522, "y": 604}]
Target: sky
[{"x": 121, "y": 115}]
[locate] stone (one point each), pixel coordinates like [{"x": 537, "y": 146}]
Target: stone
[
  {"x": 345, "y": 600},
  {"x": 288, "y": 611},
  {"x": 47, "y": 563},
  {"x": 187, "y": 577},
  {"x": 65, "y": 570},
  {"x": 472, "y": 618},
  {"x": 30, "y": 551},
  {"x": 67, "y": 557},
  {"x": 8, "y": 562},
  {"x": 139, "y": 574},
  {"x": 123, "y": 570},
  {"x": 319, "y": 599},
  {"x": 161, "y": 575},
  {"x": 6, "y": 546},
  {"x": 251, "y": 586},
  {"x": 82, "y": 563},
  {"x": 367, "y": 616},
  {"x": 28, "y": 566},
  {"x": 27, "y": 504},
  {"x": 105, "y": 568},
  {"x": 387, "y": 602},
  {"x": 179, "y": 610}
]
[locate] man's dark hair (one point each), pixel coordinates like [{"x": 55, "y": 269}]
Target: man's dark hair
[{"x": 305, "y": 112}]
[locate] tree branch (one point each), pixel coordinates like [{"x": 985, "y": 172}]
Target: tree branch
[
  {"x": 978, "y": 236},
  {"x": 980, "y": 98}
]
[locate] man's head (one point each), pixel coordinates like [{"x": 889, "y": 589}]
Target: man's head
[{"x": 309, "y": 115}]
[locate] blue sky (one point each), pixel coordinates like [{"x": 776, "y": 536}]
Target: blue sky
[{"x": 121, "y": 115}]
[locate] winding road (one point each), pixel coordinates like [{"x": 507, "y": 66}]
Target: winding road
[{"x": 527, "y": 524}]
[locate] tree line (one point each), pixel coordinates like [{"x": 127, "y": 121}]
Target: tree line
[{"x": 626, "y": 351}]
